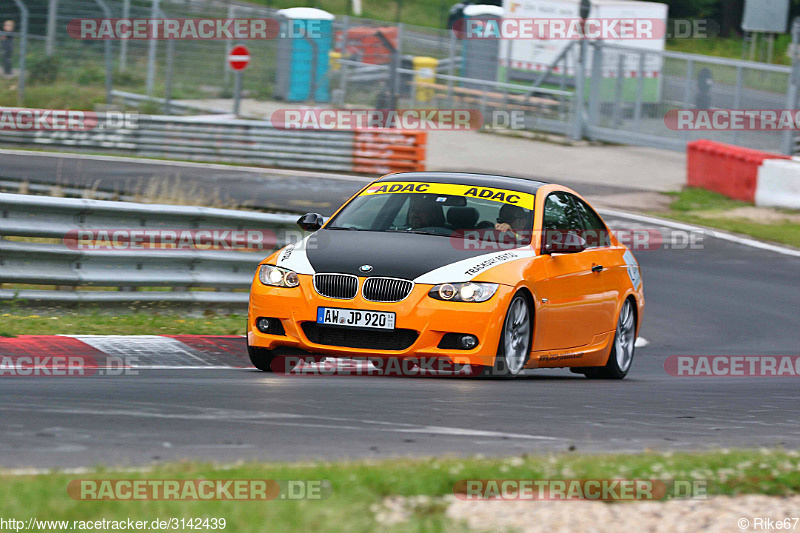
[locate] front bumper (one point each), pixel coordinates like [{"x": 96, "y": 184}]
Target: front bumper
[{"x": 430, "y": 318}]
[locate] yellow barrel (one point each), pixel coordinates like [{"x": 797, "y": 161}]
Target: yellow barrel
[
  {"x": 425, "y": 71},
  {"x": 333, "y": 58}
]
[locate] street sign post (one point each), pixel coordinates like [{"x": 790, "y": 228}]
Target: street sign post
[{"x": 238, "y": 59}]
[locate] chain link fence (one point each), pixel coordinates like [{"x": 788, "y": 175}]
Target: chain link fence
[{"x": 627, "y": 92}]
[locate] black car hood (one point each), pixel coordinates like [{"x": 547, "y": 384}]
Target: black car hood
[{"x": 391, "y": 254}]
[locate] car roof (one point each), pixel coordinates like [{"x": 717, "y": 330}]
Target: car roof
[{"x": 469, "y": 178}]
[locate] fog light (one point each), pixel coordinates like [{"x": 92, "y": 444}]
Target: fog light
[
  {"x": 264, "y": 325},
  {"x": 467, "y": 342}
]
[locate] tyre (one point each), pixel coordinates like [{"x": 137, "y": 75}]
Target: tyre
[
  {"x": 266, "y": 361},
  {"x": 514, "y": 348},
  {"x": 621, "y": 356}
]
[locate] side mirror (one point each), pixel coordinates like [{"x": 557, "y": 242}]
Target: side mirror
[
  {"x": 310, "y": 222},
  {"x": 559, "y": 242}
]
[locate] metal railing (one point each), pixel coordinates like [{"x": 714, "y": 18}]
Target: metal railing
[
  {"x": 29, "y": 225},
  {"x": 252, "y": 142}
]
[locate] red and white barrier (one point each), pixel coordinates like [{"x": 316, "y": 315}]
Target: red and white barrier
[
  {"x": 762, "y": 178},
  {"x": 779, "y": 183}
]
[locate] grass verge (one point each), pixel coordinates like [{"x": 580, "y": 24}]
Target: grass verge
[
  {"x": 358, "y": 488},
  {"x": 706, "y": 208},
  {"x": 19, "y": 322}
]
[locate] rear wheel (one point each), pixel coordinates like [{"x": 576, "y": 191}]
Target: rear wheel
[
  {"x": 621, "y": 356},
  {"x": 515, "y": 342}
]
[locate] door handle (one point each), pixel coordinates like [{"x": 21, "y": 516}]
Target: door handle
[{"x": 597, "y": 268}]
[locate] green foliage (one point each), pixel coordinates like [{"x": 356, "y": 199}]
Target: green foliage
[
  {"x": 90, "y": 75},
  {"x": 44, "y": 70}
]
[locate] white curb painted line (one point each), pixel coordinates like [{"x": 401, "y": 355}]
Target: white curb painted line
[{"x": 711, "y": 232}]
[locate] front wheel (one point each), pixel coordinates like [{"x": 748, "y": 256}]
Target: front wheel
[
  {"x": 266, "y": 360},
  {"x": 515, "y": 342},
  {"x": 621, "y": 356}
]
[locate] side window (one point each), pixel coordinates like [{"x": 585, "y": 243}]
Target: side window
[
  {"x": 596, "y": 233},
  {"x": 561, "y": 216}
]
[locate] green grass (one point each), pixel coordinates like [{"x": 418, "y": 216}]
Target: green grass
[
  {"x": 706, "y": 208},
  {"x": 57, "y": 322},
  {"x": 730, "y": 47},
  {"x": 358, "y": 487},
  {"x": 696, "y": 199}
]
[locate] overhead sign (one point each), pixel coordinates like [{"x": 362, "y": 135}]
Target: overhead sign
[{"x": 239, "y": 57}]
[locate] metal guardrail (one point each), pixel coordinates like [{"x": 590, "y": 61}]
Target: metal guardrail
[
  {"x": 243, "y": 141},
  {"x": 121, "y": 270}
]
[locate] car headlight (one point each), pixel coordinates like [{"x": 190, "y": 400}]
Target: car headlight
[
  {"x": 463, "y": 292},
  {"x": 277, "y": 277}
]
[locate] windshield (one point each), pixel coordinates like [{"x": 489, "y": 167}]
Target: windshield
[{"x": 439, "y": 209}]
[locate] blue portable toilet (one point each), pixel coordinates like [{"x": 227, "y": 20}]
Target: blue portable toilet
[
  {"x": 480, "y": 56},
  {"x": 304, "y": 45}
]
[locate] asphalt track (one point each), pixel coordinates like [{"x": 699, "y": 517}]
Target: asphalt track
[
  {"x": 723, "y": 299},
  {"x": 280, "y": 190}
]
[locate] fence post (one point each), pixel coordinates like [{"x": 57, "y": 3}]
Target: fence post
[
  {"x": 123, "y": 45},
  {"x": 597, "y": 79},
  {"x": 344, "y": 68},
  {"x": 228, "y": 48},
  {"x": 737, "y": 98},
  {"x": 580, "y": 89},
  {"x": 23, "y": 46},
  {"x": 451, "y": 68},
  {"x": 107, "y": 52},
  {"x": 168, "y": 77},
  {"x": 794, "y": 81},
  {"x": 396, "y": 65},
  {"x": 687, "y": 91},
  {"x": 637, "y": 112},
  {"x": 619, "y": 88},
  {"x": 52, "y": 13},
  {"x": 151, "y": 52}
]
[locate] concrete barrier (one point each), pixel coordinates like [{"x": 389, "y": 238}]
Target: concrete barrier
[{"x": 779, "y": 184}]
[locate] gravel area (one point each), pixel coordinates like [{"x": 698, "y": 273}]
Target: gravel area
[{"x": 718, "y": 514}]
